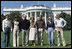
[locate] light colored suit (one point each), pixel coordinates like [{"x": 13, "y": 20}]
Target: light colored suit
[{"x": 60, "y": 23}]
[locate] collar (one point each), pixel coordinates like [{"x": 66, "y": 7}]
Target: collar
[
  {"x": 58, "y": 19},
  {"x": 6, "y": 19}
]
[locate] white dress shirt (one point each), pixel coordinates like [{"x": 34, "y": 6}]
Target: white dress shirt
[
  {"x": 6, "y": 24},
  {"x": 59, "y": 22}
]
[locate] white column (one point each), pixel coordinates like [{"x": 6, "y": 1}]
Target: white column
[
  {"x": 45, "y": 17},
  {"x": 40, "y": 13},
  {"x": 27, "y": 15},
  {"x": 35, "y": 16},
  {"x": 54, "y": 15},
  {"x": 30, "y": 14}
]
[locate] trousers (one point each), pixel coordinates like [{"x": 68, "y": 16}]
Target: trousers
[
  {"x": 15, "y": 37},
  {"x": 25, "y": 36},
  {"x": 40, "y": 36},
  {"x": 60, "y": 31},
  {"x": 51, "y": 36},
  {"x": 7, "y": 33}
]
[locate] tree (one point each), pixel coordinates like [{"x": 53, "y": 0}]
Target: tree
[
  {"x": 2, "y": 17},
  {"x": 67, "y": 17},
  {"x": 12, "y": 15}
]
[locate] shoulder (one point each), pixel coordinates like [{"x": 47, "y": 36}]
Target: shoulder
[
  {"x": 47, "y": 22},
  {"x": 61, "y": 19},
  {"x": 28, "y": 20},
  {"x": 4, "y": 20},
  {"x": 53, "y": 21}
]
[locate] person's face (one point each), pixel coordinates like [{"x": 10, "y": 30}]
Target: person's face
[
  {"x": 7, "y": 17},
  {"x": 49, "y": 18},
  {"x": 40, "y": 17},
  {"x": 24, "y": 16},
  {"x": 16, "y": 19},
  {"x": 32, "y": 18},
  {"x": 58, "y": 16}
]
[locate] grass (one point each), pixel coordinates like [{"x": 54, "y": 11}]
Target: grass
[{"x": 67, "y": 36}]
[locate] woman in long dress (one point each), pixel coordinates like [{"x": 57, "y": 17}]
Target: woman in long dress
[
  {"x": 33, "y": 30},
  {"x": 16, "y": 32}
]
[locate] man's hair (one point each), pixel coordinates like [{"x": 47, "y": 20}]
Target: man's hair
[
  {"x": 23, "y": 14},
  {"x": 7, "y": 15},
  {"x": 57, "y": 15},
  {"x": 40, "y": 15}
]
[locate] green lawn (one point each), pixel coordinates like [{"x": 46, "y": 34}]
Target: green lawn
[{"x": 67, "y": 35}]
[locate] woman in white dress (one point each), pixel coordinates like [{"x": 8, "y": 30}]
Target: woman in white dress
[
  {"x": 16, "y": 32},
  {"x": 33, "y": 30}
]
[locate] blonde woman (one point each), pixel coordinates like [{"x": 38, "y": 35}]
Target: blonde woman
[
  {"x": 50, "y": 30},
  {"x": 33, "y": 30}
]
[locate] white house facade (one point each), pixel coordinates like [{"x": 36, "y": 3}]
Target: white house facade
[{"x": 36, "y": 10}]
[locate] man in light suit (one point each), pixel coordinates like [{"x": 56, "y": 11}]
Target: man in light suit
[{"x": 59, "y": 25}]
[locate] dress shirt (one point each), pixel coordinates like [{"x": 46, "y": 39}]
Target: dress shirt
[
  {"x": 6, "y": 24},
  {"x": 60, "y": 22},
  {"x": 25, "y": 24},
  {"x": 40, "y": 23}
]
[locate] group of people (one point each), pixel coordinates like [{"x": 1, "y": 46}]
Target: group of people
[{"x": 31, "y": 29}]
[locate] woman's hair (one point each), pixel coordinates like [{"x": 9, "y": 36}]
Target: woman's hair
[
  {"x": 16, "y": 17},
  {"x": 40, "y": 16},
  {"x": 49, "y": 18},
  {"x": 32, "y": 17}
]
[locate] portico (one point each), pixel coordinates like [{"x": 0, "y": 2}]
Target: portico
[{"x": 36, "y": 10}]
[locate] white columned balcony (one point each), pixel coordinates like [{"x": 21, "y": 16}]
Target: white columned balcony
[
  {"x": 35, "y": 16},
  {"x": 30, "y": 14},
  {"x": 45, "y": 17}
]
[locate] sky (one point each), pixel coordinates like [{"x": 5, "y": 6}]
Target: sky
[{"x": 16, "y": 4}]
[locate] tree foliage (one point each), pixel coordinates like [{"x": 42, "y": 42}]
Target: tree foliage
[
  {"x": 67, "y": 17},
  {"x": 12, "y": 15}
]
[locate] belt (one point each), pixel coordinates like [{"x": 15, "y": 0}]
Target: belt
[{"x": 7, "y": 27}]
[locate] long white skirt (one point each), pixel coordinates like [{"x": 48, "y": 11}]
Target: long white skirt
[{"x": 32, "y": 33}]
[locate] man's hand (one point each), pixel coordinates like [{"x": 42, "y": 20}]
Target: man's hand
[
  {"x": 3, "y": 31},
  {"x": 54, "y": 31}
]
